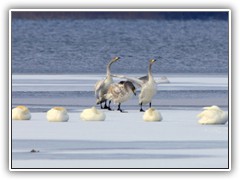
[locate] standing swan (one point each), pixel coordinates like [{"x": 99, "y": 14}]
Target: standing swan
[
  {"x": 121, "y": 92},
  {"x": 102, "y": 86},
  {"x": 213, "y": 115},
  {"x": 147, "y": 84}
]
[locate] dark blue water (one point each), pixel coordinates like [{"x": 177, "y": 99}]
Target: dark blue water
[{"x": 85, "y": 46}]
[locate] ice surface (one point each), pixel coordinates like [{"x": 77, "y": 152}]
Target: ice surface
[
  {"x": 123, "y": 140},
  {"x": 86, "y": 82}
]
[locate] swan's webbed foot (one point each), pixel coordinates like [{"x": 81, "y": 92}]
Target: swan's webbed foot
[
  {"x": 119, "y": 109},
  {"x": 141, "y": 109},
  {"x": 122, "y": 111}
]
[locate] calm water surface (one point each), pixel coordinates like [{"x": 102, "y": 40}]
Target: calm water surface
[{"x": 85, "y": 46}]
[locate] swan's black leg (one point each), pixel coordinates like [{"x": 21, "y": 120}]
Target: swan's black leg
[
  {"x": 119, "y": 107},
  {"x": 105, "y": 105},
  {"x": 109, "y": 108},
  {"x": 150, "y": 104},
  {"x": 141, "y": 109}
]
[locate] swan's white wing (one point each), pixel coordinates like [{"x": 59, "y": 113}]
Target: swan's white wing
[
  {"x": 144, "y": 78},
  {"x": 116, "y": 90},
  {"x": 113, "y": 92},
  {"x": 98, "y": 87},
  {"x": 136, "y": 81}
]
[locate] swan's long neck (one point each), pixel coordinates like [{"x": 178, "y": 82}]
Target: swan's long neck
[
  {"x": 109, "y": 77},
  {"x": 150, "y": 76},
  {"x": 108, "y": 67}
]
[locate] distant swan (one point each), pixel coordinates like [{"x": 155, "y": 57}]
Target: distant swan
[
  {"x": 162, "y": 80},
  {"x": 21, "y": 113},
  {"x": 120, "y": 92},
  {"x": 152, "y": 114},
  {"x": 57, "y": 114},
  {"x": 102, "y": 86},
  {"x": 213, "y": 115},
  {"x": 92, "y": 114},
  {"x": 147, "y": 84}
]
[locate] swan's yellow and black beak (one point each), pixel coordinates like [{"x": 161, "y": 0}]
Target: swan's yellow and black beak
[
  {"x": 152, "y": 60},
  {"x": 116, "y": 58}
]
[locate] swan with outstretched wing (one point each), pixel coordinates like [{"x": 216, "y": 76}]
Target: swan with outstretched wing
[{"x": 147, "y": 84}]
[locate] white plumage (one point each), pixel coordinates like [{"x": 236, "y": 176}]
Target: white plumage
[
  {"x": 120, "y": 92},
  {"x": 148, "y": 90},
  {"x": 213, "y": 115},
  {"x": 147, "y": 84},
  {"x": 57, "y": 114},
  {"x": 151, "y": 115},
  {"x": 92, "y": 114},
  {"x": 21, "y": 113},
  {"x": 162, "y": 80},
  {"x": 102, "y": 86}
]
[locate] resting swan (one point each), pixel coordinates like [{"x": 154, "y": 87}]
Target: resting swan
[
  {"x": 57, "y": 114},
  {"x": 21, "y": 113},
  {"x": 152, "y": 115},
  {"x": 92, "y": 114},
  {"x": 147, "y": 84},
  {"x": 213, "y": 115},
  {"x": 102, "y": 86},
  {"x": 121, "y": 92}
]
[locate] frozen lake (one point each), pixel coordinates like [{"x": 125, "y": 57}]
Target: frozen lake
[{"x": 123, "y": 140}]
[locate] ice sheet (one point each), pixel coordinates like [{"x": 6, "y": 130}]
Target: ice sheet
[
  {"x": 86, "y": 82},
  {"x": 123, "y": 140}
]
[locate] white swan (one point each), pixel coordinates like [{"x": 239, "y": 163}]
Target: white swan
[
  {"x": 57, "y": 114},
  {"x": 162, "y": 80},
  {"x": 92, "y": 114},
  {"x": 152, "y": 114},
  {"x": 120, "y": 92},
  {"x": 21, "y": 113},
  {"x": 102, "y": 86},
  {"x": 213, "y": 115},
  {"x": 147, "y": 84}
]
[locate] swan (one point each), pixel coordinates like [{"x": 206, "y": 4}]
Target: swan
[
  {"x": 147, "y": 84},
  {"x": 120, "y": 92},
  {"x": 162, "y": 80},
  {"x": 152, "y": 114},
  {"x": 213, "y": 115},
  {"x": 57, "y": 114},
  {"x": 92, "y": 114},
  {"x": 21, "y": 113},
  {"x": 102, "y": 86}
]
